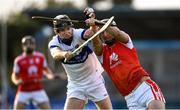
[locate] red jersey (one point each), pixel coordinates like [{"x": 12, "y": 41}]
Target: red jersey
[
  {"x": 122, "y": 65},
  {"x": 29, "y": 68}
]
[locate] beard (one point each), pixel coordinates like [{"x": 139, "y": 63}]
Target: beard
[
  {"x": 29, "y": 50},
  {"x": 110, "y": 42},
  {"x": 67, "y": 41}
]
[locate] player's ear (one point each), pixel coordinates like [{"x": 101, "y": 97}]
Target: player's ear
[{"x": 56, "y": 31}]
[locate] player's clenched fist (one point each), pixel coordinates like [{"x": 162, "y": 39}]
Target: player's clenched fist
[
  {"x": 89, "y": 12},
  {"x": 68, "y": 55},
  {"x": 90, "y": 22}
]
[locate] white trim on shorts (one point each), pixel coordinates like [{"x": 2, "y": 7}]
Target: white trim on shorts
[
  {"x": 143, "y": 95},
  {"x": 157, "y": 93}
]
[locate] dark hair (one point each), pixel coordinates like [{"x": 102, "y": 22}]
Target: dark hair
[{"x": 62, "y": 21}]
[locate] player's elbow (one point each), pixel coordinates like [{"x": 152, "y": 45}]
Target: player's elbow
[
  {"x": 98, "y": 52},
  {"x": 122, "y": 37}
]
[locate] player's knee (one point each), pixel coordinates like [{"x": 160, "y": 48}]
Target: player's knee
[
  {"x": 44, "y": 105},
  {"x": 104, "y": 104},
  {"x": 156, "y": 104},
  {"x": 19, "y": 105},
  {"x": 74, "y": 103}
]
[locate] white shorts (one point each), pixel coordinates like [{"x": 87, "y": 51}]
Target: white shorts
[
  {"x": 95, "y": 91},
  {"x": 36, "y": 97},
  {"x": 143, "y": 95}
]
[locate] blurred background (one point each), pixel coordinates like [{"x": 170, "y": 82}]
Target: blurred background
[{"x": 154, "y": 26}]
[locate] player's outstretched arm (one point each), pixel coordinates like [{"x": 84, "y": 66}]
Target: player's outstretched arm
[
  {"x": 59, "y": 55},
  {"x": 97, "y": 44},
  {"x": 48, "y": 73}
]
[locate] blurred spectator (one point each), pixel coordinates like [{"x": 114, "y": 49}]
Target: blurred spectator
[{"x": 28, "y": 71}]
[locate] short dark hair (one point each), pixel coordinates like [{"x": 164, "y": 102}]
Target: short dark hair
[{"x": 28, "y": 38}]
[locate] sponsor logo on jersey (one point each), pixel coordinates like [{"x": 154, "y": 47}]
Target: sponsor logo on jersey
[{"x": 114, "y": 60}]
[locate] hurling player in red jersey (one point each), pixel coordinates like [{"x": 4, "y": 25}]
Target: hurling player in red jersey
[
  {"x": 119, "y": 59},
  {"x": 28, "y": 71}
]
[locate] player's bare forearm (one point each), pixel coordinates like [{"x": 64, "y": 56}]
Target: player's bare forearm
[
  {"x": 119, "y": 35},
  {"x": 58, "y": 54},
  {"x": 52, "y": 76},
  {"x": 92, "y": 29},
  {"x": 16, "y": 80},
  {"x": 48, "y": 73},
  {"x": 97, "y": 46}
]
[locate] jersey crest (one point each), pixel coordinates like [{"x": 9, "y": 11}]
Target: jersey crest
[{"x": 32, "y": 70}]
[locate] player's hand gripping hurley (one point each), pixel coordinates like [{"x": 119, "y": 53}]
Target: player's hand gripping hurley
[{"x": 107, "y": 24}]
